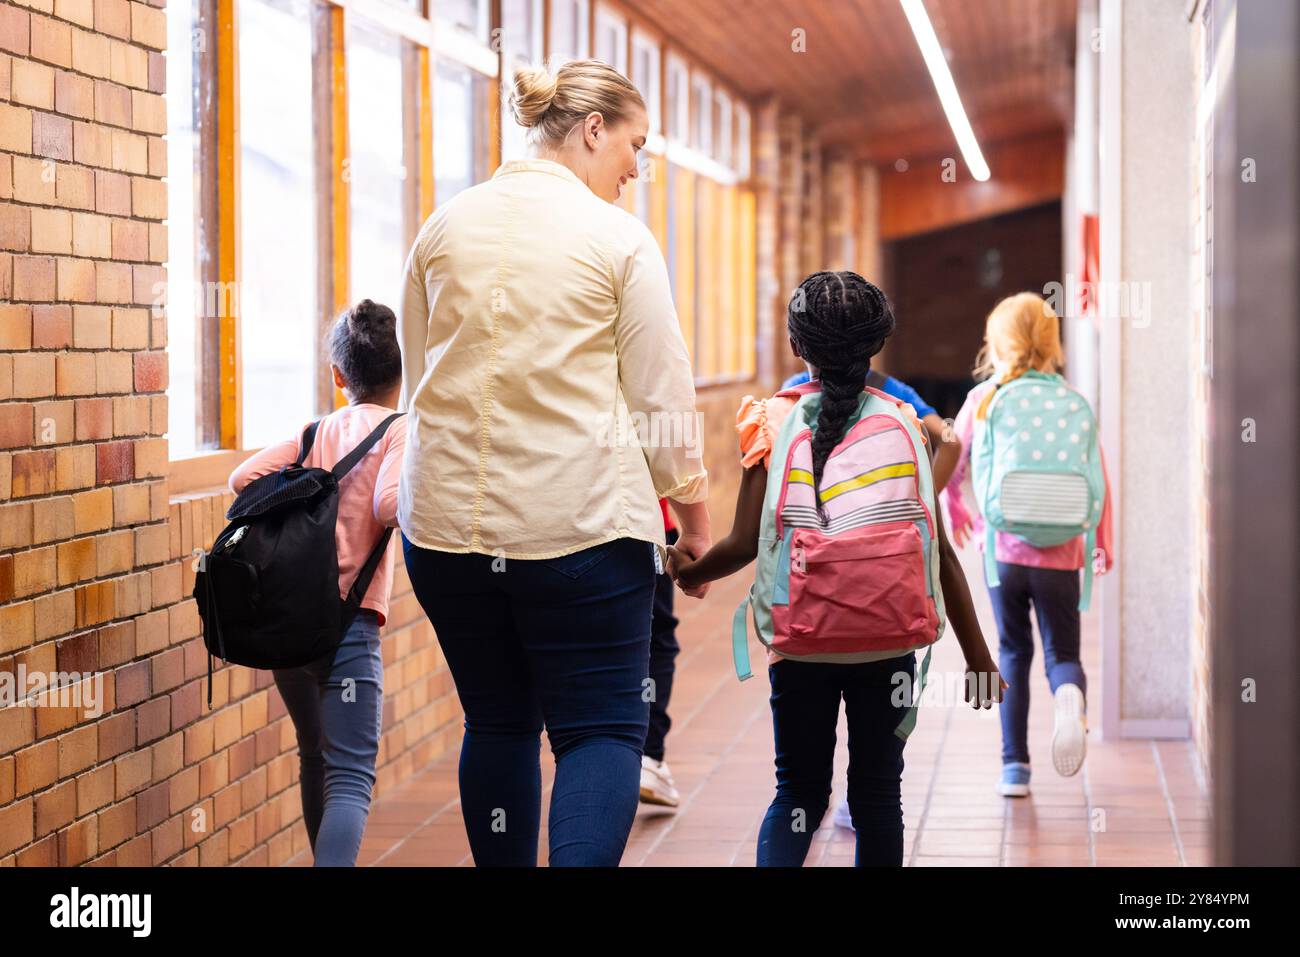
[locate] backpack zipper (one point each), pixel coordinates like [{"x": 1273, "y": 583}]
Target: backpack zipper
[{"x": 233, "y": 540}]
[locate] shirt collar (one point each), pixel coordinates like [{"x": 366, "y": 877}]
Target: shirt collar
[{"x": 537, "y": 166}]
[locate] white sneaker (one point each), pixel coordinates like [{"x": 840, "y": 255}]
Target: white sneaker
[
  {"x": 1070, "y": 737},
  {"x": 843, "y": 816},
  {"x": 657, "y": 785}
]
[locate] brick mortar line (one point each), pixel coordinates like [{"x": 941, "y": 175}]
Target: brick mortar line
[
  {"x": 98, "y": 580},
  {"x": 152, "y": 523},
  {"x": 78, "y": 164},
  {"x": 88, "y": 210},
  {"x": 99, "y": 124},
  {"x": 28, "y": 58},
  {"x": 33, "y": 254},
  {"x": 88, "y": 443}
]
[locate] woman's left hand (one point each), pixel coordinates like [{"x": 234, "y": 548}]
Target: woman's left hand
[{"x": 680, "y": 558}]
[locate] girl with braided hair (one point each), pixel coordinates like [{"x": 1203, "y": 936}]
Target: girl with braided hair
[
  {"x": 837, "y": 321},
  {"x": 1022, "y": 333}
]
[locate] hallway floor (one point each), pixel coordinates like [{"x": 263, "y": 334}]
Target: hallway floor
[{"x": 1135, "y": 802}]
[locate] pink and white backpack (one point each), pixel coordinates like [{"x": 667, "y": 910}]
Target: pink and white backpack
[{"x": 859, "y": 580}]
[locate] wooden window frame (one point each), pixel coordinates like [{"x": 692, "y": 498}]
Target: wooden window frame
[
  {"x": 701, "y": 112},
  {"x": 605, "y": 15},
  {"x": 641, "y": 40},
  {"x": 584, "y": 20},
  {"x": 744, "y": 141},
  {"x": 218, "y": 233},
  {"x": 724, "y": 129}
]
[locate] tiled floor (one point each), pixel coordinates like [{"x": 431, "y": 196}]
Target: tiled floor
[{"x": 1134, "y": 802}]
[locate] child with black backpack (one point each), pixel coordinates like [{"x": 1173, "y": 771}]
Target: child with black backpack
[
  {"x": 837, "y": 503},
  {"x": 336, "y": 701}
]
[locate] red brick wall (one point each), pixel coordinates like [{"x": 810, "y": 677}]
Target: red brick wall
[
  {"x": 87, "y": 580},
  {"x": 95, "y": 569}
]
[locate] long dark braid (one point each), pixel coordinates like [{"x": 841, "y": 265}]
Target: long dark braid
[{"x": 839, "y": 321}]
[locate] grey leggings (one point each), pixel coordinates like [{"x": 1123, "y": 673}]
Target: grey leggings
[{"x": 337, "y": 709}]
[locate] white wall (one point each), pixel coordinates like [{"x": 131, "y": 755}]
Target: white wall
[{"x": 1146, "y": 123}]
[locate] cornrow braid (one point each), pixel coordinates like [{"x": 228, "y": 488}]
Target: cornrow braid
[{"x": 839, "y": 321}]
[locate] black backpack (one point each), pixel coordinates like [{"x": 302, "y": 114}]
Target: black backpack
[{"x": 268, "y": 590}]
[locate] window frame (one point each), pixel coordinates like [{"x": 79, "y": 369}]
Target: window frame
[
  {"x": 701, "y": 113},
  {"x": 218, "y": 229},
  {"x": 677, "y": 116},
  {"x": 606, "y": 16},
  {"x": 641, "y": 40},
  {"x": 744, "y": 164},
  {"x": 582, "y": 10},
  {"x": 723, "y": 128}
]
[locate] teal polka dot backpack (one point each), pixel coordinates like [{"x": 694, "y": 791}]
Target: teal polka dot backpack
[{"x": 1036, "y": 469}]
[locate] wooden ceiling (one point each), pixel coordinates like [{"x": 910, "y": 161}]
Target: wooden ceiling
[{"x": 862, "y": 82}]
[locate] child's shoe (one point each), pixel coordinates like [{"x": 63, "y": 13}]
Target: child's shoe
[
  {"x": 1070, "y": 738},
  {"x": 843, "y": 816},
  {"x": 657, "y": 786},
  {"x": 1015, "y": 780}
]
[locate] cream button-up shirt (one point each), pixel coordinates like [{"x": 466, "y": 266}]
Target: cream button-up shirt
[{"x": 550, "y": 393}]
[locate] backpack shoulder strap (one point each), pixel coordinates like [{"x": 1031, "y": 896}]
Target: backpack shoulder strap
[
  {"x": 365, "y": 575},
  {"x": 308, "y": 439},
  {"x": 349, "y": 461}
]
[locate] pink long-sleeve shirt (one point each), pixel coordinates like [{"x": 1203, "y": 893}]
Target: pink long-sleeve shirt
[
  {"x": 1010, "y": 548},
  {"x": 367, "y": 494}
]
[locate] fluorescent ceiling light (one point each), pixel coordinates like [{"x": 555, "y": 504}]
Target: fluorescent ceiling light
[{"x": 923, "y": 29}]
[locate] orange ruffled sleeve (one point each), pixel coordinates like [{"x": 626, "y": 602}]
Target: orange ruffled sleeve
[
  {"x": 755, "y": 435},
  {"x": 920, "y": 426}
]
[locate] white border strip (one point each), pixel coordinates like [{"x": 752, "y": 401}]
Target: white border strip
[{"x": 1109, "y": 587}]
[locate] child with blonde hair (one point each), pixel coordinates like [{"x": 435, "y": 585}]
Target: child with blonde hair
[{"x": 1022, "y": 344}]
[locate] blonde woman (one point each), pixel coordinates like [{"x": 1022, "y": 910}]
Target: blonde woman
[
  {"x": 536, "y": 327},
  {"x": 1023, "y": 333}
]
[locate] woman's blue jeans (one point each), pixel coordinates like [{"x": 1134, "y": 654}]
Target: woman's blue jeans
[{"x": 562, "y": 644}]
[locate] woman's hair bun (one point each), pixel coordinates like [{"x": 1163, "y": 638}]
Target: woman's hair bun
[{"x": 531, "y": 95}]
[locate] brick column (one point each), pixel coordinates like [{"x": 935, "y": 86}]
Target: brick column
[{"x": 87, "y": 581}]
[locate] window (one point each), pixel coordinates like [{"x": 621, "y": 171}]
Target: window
[
  {"x": 568, "y": 30},
  {"x": 743, "y": 148},
  {"x": 701, "y": 114},
  {"x": 460, "y": 97},
  {"x": 679, "y": 103},
  {"x": 645, "y": 76},
  {"x": 611, "y": 39},
  {"x": 376, "y": 173},
  {"x": 722, "y": 140},
  {"x": 184, "y": 423},
  {"x": 470, "y": 16},
  {"x": 521, "y": 45},
  {"x": 278, "y": 289}
]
